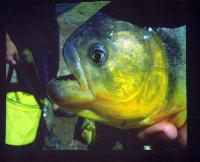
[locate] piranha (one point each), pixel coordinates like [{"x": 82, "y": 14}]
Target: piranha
[{"x": 124, "y": 75}]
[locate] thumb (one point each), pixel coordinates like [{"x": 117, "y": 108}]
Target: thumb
[{"x": 166, "y": 130}]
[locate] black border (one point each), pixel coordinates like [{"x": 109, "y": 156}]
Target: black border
[{"x": 193, "y": 44}]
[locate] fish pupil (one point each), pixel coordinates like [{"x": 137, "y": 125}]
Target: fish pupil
[{"x": 97, "y": 56}]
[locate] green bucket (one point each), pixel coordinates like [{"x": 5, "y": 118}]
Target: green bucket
[{"x": 22, "y": 118}]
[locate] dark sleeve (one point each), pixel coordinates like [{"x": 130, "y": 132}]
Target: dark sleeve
[
  {"x": 30, "y": 23},
  {"x": 164, "y": 13},
  {"x": 29, "y": 15}
]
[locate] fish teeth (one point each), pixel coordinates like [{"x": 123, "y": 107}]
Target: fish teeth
[{"x": 66, "y": 77}]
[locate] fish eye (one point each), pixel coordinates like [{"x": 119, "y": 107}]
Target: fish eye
[{"x": 97, "y": 54}]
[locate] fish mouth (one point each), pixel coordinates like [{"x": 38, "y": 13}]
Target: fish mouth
[
  {"x": 67, "y": 92},
  {"x": 66, "y": 78},
  {"x": 56, "y": 84}
]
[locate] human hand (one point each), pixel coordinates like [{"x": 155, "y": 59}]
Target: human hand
[
  {"x": 163, "y": 132},
  {"x": 11, "y": 51}
]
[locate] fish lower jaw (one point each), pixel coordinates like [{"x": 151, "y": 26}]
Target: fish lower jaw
[
  {"x": 66, "y": 91},
  {"x": 75, "y": 98}
]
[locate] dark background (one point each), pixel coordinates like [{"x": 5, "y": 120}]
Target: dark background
[{"x": 158, "y": 13}]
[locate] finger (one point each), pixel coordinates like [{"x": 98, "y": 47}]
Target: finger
[{"x": 166, "y": 131}]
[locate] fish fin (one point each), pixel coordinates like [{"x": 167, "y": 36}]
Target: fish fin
[
  {"x": 87, "y": 113},
  {"x": 88, "y": 131},
  {"x": 176, "y": 115}
]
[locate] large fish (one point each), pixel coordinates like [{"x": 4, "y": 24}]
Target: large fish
[{"x": 124, "y": 75}]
